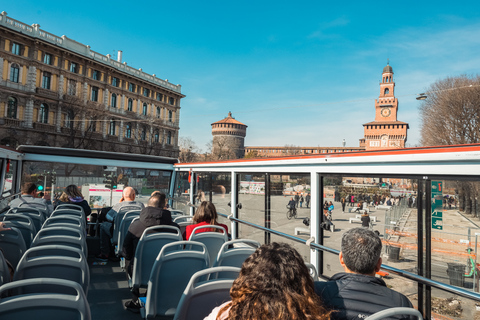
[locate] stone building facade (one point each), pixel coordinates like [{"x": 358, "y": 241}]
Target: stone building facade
[
  {"x": 57, "y": 92},
  {"x": 228, "y": 138},
  {"x": 386, "y": 132}
]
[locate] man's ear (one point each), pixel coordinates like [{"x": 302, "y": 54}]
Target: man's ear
[
  {"x": 379, "y": 263},
  {"x": 340, "y": 257}
]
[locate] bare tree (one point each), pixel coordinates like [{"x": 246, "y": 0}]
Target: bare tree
[
  {"x": 291, "y": 149},
  {"x": 80, "y": 121},
  {"x": 451, "y": 113},
  {"x": 188, "y": 150},
  {"x": 222, "y": 149}
]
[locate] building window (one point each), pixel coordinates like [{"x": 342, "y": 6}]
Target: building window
[
  {"x": 12, "y": 108},
  {"x": 96, "y": 75},
  {"x": 158, "y": 112},
  {"x": 43, "y": 113},
  {"x": 130, "y": 105},
  {"x": 73, "y": 67},
  {"x": 15, "y": 73},
  {"x": 115, "y": 82},
  {"x": 72, "y": 87},
  {"x": 128, "y": 131},
  {"x": 169, "y": 137},
  {"x": 69, "y": 117},
  {"x": 16, "y": 48},
  {"x": 94, "y": 93},
  {"x": 146, "y": 92},
  {"x": 47, "y": 58},
  {"x": 143, "y": 135},
  {"x": 159, "y": 96},
  {"x": 113, "y": 101},
  {"x": 387, "y": 91},
  {"x": 112, "y": 128},
  {"x": 171, "y": 101},
  {"x": 170, "y": 115},
  {"x": 131, "y": 87},
  {"x": 46, "y": 80},
  {"x": 145, "y": 109},
  {"x": 156, "y": 137}
]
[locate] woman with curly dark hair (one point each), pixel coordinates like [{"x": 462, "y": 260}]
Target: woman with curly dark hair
[{"x": 274, "y": 283}]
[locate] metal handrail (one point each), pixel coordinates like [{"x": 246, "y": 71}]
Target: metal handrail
[
  {"x": 9, "y": 196},
  {"x": 399, "y": 272}
]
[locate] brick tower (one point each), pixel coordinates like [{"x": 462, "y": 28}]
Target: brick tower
[
  {"x": 228, "y": 138},
  {"x": 386, "y": 132}
]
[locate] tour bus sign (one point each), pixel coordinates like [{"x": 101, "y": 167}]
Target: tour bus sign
[{"x": 437, "y": 203}]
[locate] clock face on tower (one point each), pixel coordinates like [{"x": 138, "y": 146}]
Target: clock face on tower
[{"x": 385, "y": 112}]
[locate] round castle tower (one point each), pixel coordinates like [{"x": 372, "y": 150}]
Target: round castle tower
[{"x": 228, "y": 138}]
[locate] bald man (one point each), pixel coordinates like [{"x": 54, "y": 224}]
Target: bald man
[{"x": 127, "y": 203}]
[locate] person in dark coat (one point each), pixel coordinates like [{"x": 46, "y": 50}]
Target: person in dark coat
[
  {"x": 357, "y": 293},
  {"x": 152, "y": 215}
]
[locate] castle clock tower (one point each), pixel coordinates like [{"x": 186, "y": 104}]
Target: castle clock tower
[{"x": 386, "y": 132}]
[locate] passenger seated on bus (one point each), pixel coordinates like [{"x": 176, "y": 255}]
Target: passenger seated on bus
[
  {"x": 72, "y": 195},
  {"x": 152, "y": 215},
  {"x": 205, "y": 215},
  {"x": 106, "y": 228},
  {"x": 29, "y": 195},
  {"x": 274, "y": 283},
  {"x": 357, "y": 293}
]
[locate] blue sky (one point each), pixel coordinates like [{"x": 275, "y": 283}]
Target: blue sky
[{"x": 296, "y": 72}]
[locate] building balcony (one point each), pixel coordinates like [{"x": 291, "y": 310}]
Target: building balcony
[
  {"x": 47, "y": 93},
  {"x": 44, "y": 127},
  {"x": 13, "y": 123},
  {"x": 13, "y": 85}
]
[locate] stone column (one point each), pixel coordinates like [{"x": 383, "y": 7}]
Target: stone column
[
  {"x": 122, "y": 103},
  {"x": 150, "y": 141},
  {"x": 104, "y": 128},
  {"x": 58, "y": 123},
  {"x": 85, "y": 93},
  {"x": 120, "y": 130},
  {"x": 82, "y": 126},
  {"x": 28, "y": 116},
  {"x": 1, "y": 65},
  {"x": 60, "y": 86},
  {"x": 105, "y": 98},
  {"x": 139, "y": 106},
  {"x": 31, "y": 78}
]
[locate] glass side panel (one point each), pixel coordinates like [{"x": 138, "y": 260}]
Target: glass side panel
[
  {"x": 181, "y": 194},
  {"x": 94, "y": 180},
  {"x": 455, "y": 233},
  {"x": 251, "y": 197},
  {"x": 449, "y": 306},
  {"x": 386, "y": 205}
]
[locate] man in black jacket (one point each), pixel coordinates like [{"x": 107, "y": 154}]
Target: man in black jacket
[
  {"x": 152, "y": 215},
  {"x": 357, "y": 293}
]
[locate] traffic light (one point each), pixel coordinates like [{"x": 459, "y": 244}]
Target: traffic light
[
  {"x": 40, "y": 183},
  {"x": 110, "y": 182}
]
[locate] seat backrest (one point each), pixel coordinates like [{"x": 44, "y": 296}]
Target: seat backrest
[
  {"x": 183, "y": 225},
  {"x": 73, "y": 221},
  {"x": 148, "y": 248},
  {"x": 69, "y": 206},
  {"x": 171, "y": 272},
  {"x": 179, "y": 219},
  {"x": 36, "y": 263},
  {"x": 62, "y": 236},
  {"x": 123, "y": 229},
  {"x": 27, "y": 206},
  {"x": 12, "y": 245},
  {"x": 37, "y": 217},
  {"x": 395, "y": 312},
  {"x": 200, "y": 297},
  {"x": 69, "y": 212},
  {"x": 51, "y": 304},
  {"x": 4, "y": 271},
  {"x": 233, "y": 253},
  {"x": 213, "y": 240},
  {"x": 118, "y": 219},
  {"x": 23, "y": 223}
]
